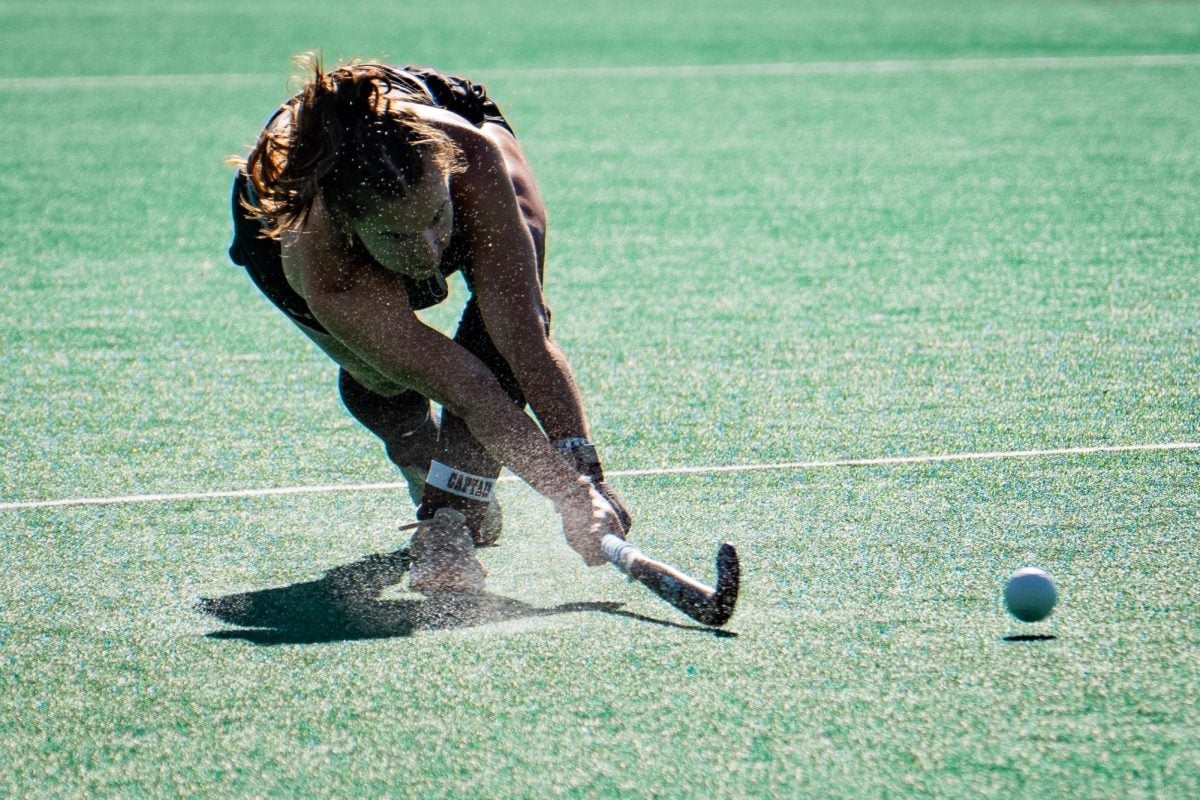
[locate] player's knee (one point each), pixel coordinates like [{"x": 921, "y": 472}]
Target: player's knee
[{"x": 392, "y": 418}]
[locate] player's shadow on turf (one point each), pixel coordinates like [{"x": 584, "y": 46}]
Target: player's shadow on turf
[{"x": 345, "y": 604}]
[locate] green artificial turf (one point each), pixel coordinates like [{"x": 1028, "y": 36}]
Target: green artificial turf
[{"x": 897, "y": 241}]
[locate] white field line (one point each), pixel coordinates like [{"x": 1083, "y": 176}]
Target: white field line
[
  {"x": 882, "y": 66},
  {"x": 770, "y": 69},
  {"x": 884, "y": 461}
]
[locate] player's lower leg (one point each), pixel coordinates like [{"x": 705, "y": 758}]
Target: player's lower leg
[
  {"x": 404, "y": 422},
  {"x": 462, "y": 476}
]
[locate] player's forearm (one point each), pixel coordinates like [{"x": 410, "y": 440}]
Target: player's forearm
[
  {"x": 510, "y": 435},
  {"x": 391, "y": 341},
  {"x": 505, "y": 430},
  {"x": 549, "y": 386},
  {"x": 515, "y": 440}
]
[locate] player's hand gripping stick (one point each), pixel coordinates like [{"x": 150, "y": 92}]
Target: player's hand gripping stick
[{"x": 704, "y": 604}]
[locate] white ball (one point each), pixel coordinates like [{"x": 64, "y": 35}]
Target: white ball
[{"x": 1030, "y": 594}]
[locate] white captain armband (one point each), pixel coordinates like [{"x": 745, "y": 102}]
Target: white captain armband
[{"x": 463, "y": 484}]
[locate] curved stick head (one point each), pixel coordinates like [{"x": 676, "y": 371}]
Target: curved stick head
[{"x": 724, "y": 598}]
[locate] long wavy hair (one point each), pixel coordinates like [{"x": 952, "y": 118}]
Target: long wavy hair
[{"x": 346, "y": 140}]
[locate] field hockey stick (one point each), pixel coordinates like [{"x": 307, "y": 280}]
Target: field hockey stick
[{"x": 702, "y": 603}]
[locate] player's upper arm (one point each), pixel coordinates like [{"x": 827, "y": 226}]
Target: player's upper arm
[{"x": 504, "y": 270}]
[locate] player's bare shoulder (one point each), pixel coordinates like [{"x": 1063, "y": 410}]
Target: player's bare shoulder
[
  {"x": 477, "y": 145},
  {"x": 317, "y": 253},
  {"x": 487, "y": 160}
]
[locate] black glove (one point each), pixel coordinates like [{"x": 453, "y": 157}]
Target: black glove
[{"x": 583, "y": 457}]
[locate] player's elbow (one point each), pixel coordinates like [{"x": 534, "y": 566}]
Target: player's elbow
[
  {"x": 535, "y": 359},
  {"x": 473, "y": 394},
  {"x": 526, "y": 344},
  {"x": 333, "y": 310}
]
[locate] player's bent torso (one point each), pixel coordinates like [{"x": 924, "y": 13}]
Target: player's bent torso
[
  {"x": 329, "y": 240},
  {"x": 461, "y": 109}
]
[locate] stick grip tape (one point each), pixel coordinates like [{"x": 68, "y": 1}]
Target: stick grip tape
[{"x": 618, "y": 552}]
